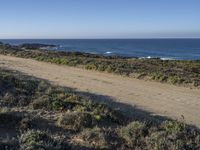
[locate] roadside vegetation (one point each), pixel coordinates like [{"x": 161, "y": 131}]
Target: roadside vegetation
[
  {"x": 176, "y": 72},
  {"x": 37, "y": 115}
]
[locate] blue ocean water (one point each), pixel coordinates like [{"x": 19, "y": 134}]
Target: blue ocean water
[{"x": 180, "y": 49}]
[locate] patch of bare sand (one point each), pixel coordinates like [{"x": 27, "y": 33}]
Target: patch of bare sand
[{"x": 161, "y": 99}]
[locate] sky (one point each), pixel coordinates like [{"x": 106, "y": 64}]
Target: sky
[{"x": 62, "y": 19}]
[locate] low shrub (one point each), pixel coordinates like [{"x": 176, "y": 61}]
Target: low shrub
[
  {"x": 33, "y": 139},
  {"x": 173, "y": 126},
  {"x": 76, "y": 121},
  {"x": 134, "y": 133},
  {"x": 92, "y": 138}
]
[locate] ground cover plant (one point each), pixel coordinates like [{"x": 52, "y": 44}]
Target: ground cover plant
[{"x": 34, "y": 114}]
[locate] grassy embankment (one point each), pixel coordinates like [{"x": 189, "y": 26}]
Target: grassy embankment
[
  {"x": 37, "y": 115},
  {"x": 185, "y": 73}
]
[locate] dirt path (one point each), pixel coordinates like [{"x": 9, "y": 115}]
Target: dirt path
[{"x": 162, "y": 99}]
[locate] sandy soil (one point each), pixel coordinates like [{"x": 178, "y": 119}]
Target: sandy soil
[{"x": 160, "y": 99}]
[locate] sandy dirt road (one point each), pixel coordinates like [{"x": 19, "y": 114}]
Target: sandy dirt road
[{"x": 161, "y": 99}]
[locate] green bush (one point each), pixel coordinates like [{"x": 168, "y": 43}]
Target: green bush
[
  {"x": 93, "y": 138},
  {"x": 173, "y": 126},
  {"x": 76, "y": 121},
  {"x": 32, "y": 140},
  {"x": 133, "y": 133}
]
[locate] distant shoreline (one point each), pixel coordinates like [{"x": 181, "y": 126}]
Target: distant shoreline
[
  {"x": 107, "y": 53},
  {"x": 175, "y": 49},
  {"x": 51, "y": 47}
]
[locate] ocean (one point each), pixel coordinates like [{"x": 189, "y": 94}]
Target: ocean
[{"x": 178, "y": 49}]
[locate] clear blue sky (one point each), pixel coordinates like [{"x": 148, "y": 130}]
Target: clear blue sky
[{"x": 99, "y": 18}]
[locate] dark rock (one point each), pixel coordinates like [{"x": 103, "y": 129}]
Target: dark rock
[{"x": 35, "y": 46}]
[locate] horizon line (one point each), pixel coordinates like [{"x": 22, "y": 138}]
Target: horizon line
[{"x": 98, "y": 38}]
